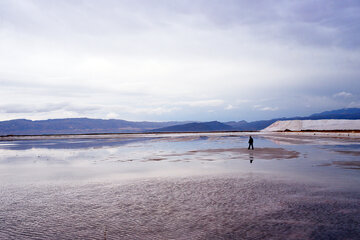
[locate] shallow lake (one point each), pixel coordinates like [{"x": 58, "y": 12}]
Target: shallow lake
[{"x": 182, "y": 186}]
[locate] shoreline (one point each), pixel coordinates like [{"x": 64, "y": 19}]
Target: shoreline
[
  {"x": 309, "y": 133},
  {"x": 117, "y": 135}
]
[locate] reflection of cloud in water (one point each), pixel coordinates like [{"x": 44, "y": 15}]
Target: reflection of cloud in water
[
  {"x": 70, "y": 144},
  {"x": 96, "y": 142},
  {"x": 350, "y": 149},
  {"x": 343, "y": 164},
  {"x": 347, "y": 164},
  {"x": 353, "y": 153},
  {"x": 259, "y": 153},
  {"x": 209, "y": 149}
]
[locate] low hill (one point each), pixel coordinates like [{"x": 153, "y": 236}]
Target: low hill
[{"x": 196, "y": 127}]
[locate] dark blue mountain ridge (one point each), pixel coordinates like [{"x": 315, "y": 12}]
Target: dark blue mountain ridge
[
  {"x": 196, "y": 127},
  {"x": 77, "y": 126},
  {"x": 345, "y": 113}
]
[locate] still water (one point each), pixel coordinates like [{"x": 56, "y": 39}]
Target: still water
[{"x": 180, "y": 186}]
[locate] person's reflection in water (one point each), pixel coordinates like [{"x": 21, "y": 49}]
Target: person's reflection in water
[{"x": 251, "y": 157}]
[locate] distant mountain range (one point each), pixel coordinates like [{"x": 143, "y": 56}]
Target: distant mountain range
[
  {"x": 86, "y": 125},
  {"x": 77, "y": 126},
  {"x": 196, "y": 127}
]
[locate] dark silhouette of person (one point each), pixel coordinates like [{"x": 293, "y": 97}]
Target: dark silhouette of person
[{"x": 251, "y": 143}]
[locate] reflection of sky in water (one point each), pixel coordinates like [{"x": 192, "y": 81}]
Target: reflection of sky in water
[
  {"x": 127, "y": 158},
  {"x": 129, "y": 188},
  {"x": 67, "y": 143}
]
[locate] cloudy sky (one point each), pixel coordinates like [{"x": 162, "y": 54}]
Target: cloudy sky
[{"x": 178, "y": 60}]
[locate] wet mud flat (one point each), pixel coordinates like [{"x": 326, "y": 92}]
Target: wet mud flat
[{"x": 223, "y": 207}]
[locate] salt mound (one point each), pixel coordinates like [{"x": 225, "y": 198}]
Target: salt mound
[{"x": 326, "y": 124}]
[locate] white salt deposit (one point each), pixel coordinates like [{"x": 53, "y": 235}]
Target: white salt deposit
[{"x": 326, "y": 124}]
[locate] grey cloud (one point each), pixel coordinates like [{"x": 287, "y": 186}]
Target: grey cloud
[
  {"x": 202, "y": 103},
  {"x": 265, "y": 108},
  {"x": 354, "y": 104},
  {"x": 55, "y": 87},
  {"x": 210, "y": 49},
  {"x": 45, "y": 108},
  {"x": 82, "y": 109},
  {"x": 323, "y": 22},
  {"x": 24, "y": 108},
  {"x": 327, "y": 23}
]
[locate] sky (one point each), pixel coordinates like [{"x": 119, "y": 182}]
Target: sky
[{"x": 161, "y": 60}]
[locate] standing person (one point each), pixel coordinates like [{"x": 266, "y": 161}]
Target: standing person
[{"x": 251, "y": 143}]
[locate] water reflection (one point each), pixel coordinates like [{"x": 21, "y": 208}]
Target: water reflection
[
  {"x": 246, "y": 207},
  {"x": 69, "y": 143},
  {"x": 169, "y": 187},
  {"x": 163, "y": 155},
  {"x": 251, "y": 157}
]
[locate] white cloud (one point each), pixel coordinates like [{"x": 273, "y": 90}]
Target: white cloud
[
  {"x": 202, "y": 103},
  {"x": 265, "y": 108},
  {"x": 151, "y": 111},
  {"x": 229, "y": 107},
  {"x": 343, "y": 94},
  {"x": 112, "y": 115},
  {"x": 241, "y": 101},
  {"x": 46, "y": 108},
  {"x": 269, "y": 109},
  {"x": 354, "y": 104}
]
